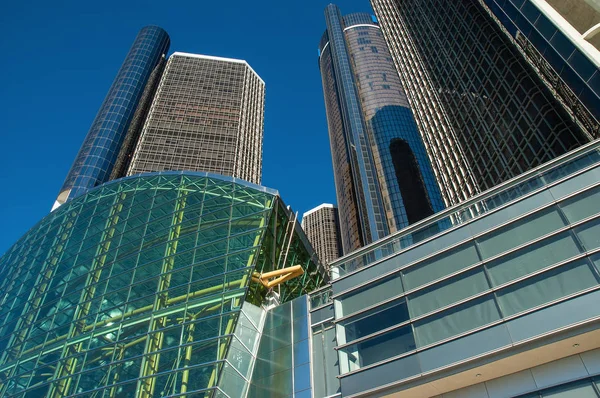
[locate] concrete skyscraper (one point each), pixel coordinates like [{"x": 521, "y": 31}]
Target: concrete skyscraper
[
  {"x": 322, "y": 228},
  {"x": 383, "y": 177},
  {"x": 561, "y": 40},
  {"x": 207, "y": 115},
  {"x": 100, "y": 149},
  {"x": 484, "y": 113}
]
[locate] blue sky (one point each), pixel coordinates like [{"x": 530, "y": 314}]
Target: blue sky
[{"x": 61, "y": 57}]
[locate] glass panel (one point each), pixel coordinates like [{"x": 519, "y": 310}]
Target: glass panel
[
  {"x": 572, "y": 390},
  {"x": 589, "y": 234},
  {"x": 387, "y": 345},
  {"x": 232, "y": 383},
  {"x": 372, "y": 321},
  {"x": 582, "y": 205},
  {"x": 332, "y": 368},
  {"x": 519, "y": 232},
  {"x": 320, "y": 298},
  {"x": 543, "y": 288},
  {"x": 455, "y": 321},
  {"x": 440, "y": 266},
  {"x": 532, "y": 258},
  {"x": 370, "y": 295},
  {"x": 318, "y": 364},
  {"x": 447, "y": 292}
]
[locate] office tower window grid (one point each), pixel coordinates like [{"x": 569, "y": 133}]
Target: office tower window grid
[
  {"x": 504, "y": 119},
  {"x": 99, "y": 151},
  {"x": 322, "y": 229},
  {"x": 555, "y": 38},
  {"x": 207, "y": 115},
  {"x": 345, "y": 185},
  {"x": 484, "y": 112},
  {"x": 370, "y": 204},
  {"x": 369, "y": 118},
  {"x": 389, "y": 120}
]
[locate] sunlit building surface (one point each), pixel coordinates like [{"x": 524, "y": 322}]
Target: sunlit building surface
[
  {"x": 561, "y": 40},
  {"x": 383, "y": 176},
  {"x": 99, "y": 151},
  {"x": 484, "y": 113},
  {"x": 495, "y": 297},
  {"x": 152, "y": 286},
  {"x": 322, "y": 227},
  {"x": 207, "y": 115}
]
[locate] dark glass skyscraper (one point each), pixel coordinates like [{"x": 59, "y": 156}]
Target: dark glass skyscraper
[
  {"x": 100, "y": 149},
  {"x": 483, "y": 111},
  {"x": 384, "y": 180},
  {"x": 560, "y": 39}
]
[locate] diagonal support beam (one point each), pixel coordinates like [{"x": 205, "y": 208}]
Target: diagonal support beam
[{"x": 277, "y": 277}]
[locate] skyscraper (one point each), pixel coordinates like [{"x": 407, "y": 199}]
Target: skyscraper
[
  {"x": 322, "y": 228},
  {"x": 483, "y": 111},
  {"x": 207, "y": 115},
  {"x": 560, "y": 39},
  {"x": 100, "y": 149},
  {"x": 384, "y": 180}
]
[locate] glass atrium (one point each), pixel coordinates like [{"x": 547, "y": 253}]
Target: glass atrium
[{"x": 150, "y": 286}]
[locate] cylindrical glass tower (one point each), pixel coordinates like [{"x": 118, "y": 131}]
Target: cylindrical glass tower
[
  {"x": 384, "y": 179},
  {"x": 101, "y": 146}
]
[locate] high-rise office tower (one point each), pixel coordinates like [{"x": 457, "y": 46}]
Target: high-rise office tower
[
  {"x": 560, "y": 39},
  {"x": 322, "y": 228},
  {"x": 100, "y": 149},
  {"x": 207, "y": 115},
  {"x": 483, "y": 111},
  {"x": 383, "y": 177}
]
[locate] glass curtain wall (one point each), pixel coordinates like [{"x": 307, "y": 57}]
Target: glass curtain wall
[{"x": 135, "y": 288}]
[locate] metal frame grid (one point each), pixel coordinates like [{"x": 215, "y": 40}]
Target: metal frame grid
[
  {"x": 207, "y": 115},
  {"x": 485, "y": 114},
  {"x": 135, "y": 288},
  {"x": 100, "y": 149}
]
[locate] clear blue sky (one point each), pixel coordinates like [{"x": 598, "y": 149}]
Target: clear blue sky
[{"x": 59, "y": 59}]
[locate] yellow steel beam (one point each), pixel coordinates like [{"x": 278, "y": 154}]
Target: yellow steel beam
[
  {"x": 39, "y": 290},
  {"x": 280, "y": 275},
  {"x": 151, "y": 362},
  {"x": 231, "y": 322},
  {"x": 67, "y": 367},
  {"x": 187, "y": 356}
]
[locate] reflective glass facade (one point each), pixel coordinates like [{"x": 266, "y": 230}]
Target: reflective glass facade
[
  {"x": 100, "y": 149},
  {"x": 504, "y": 282},
  {"x": 384, "y": 180},
  {"x": 555, "y": 36},
  {"x": 484, "y": 112},
  {"x": 207, "y": 115},
  {"x": 148, "y": 286}
]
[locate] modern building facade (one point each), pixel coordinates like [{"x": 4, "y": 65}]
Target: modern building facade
[
  {"x": 100, "y": 149},
  {"x": 384, "y": 180},
  {"x": 560, "y": 39},
  {"x": 322, "y": 227},
  {"x": 207, "y": 115},
  {"x": 484, "y": 113},
  {"x": 502, "y": 304},
  {"x": 158, "y": 285}
]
